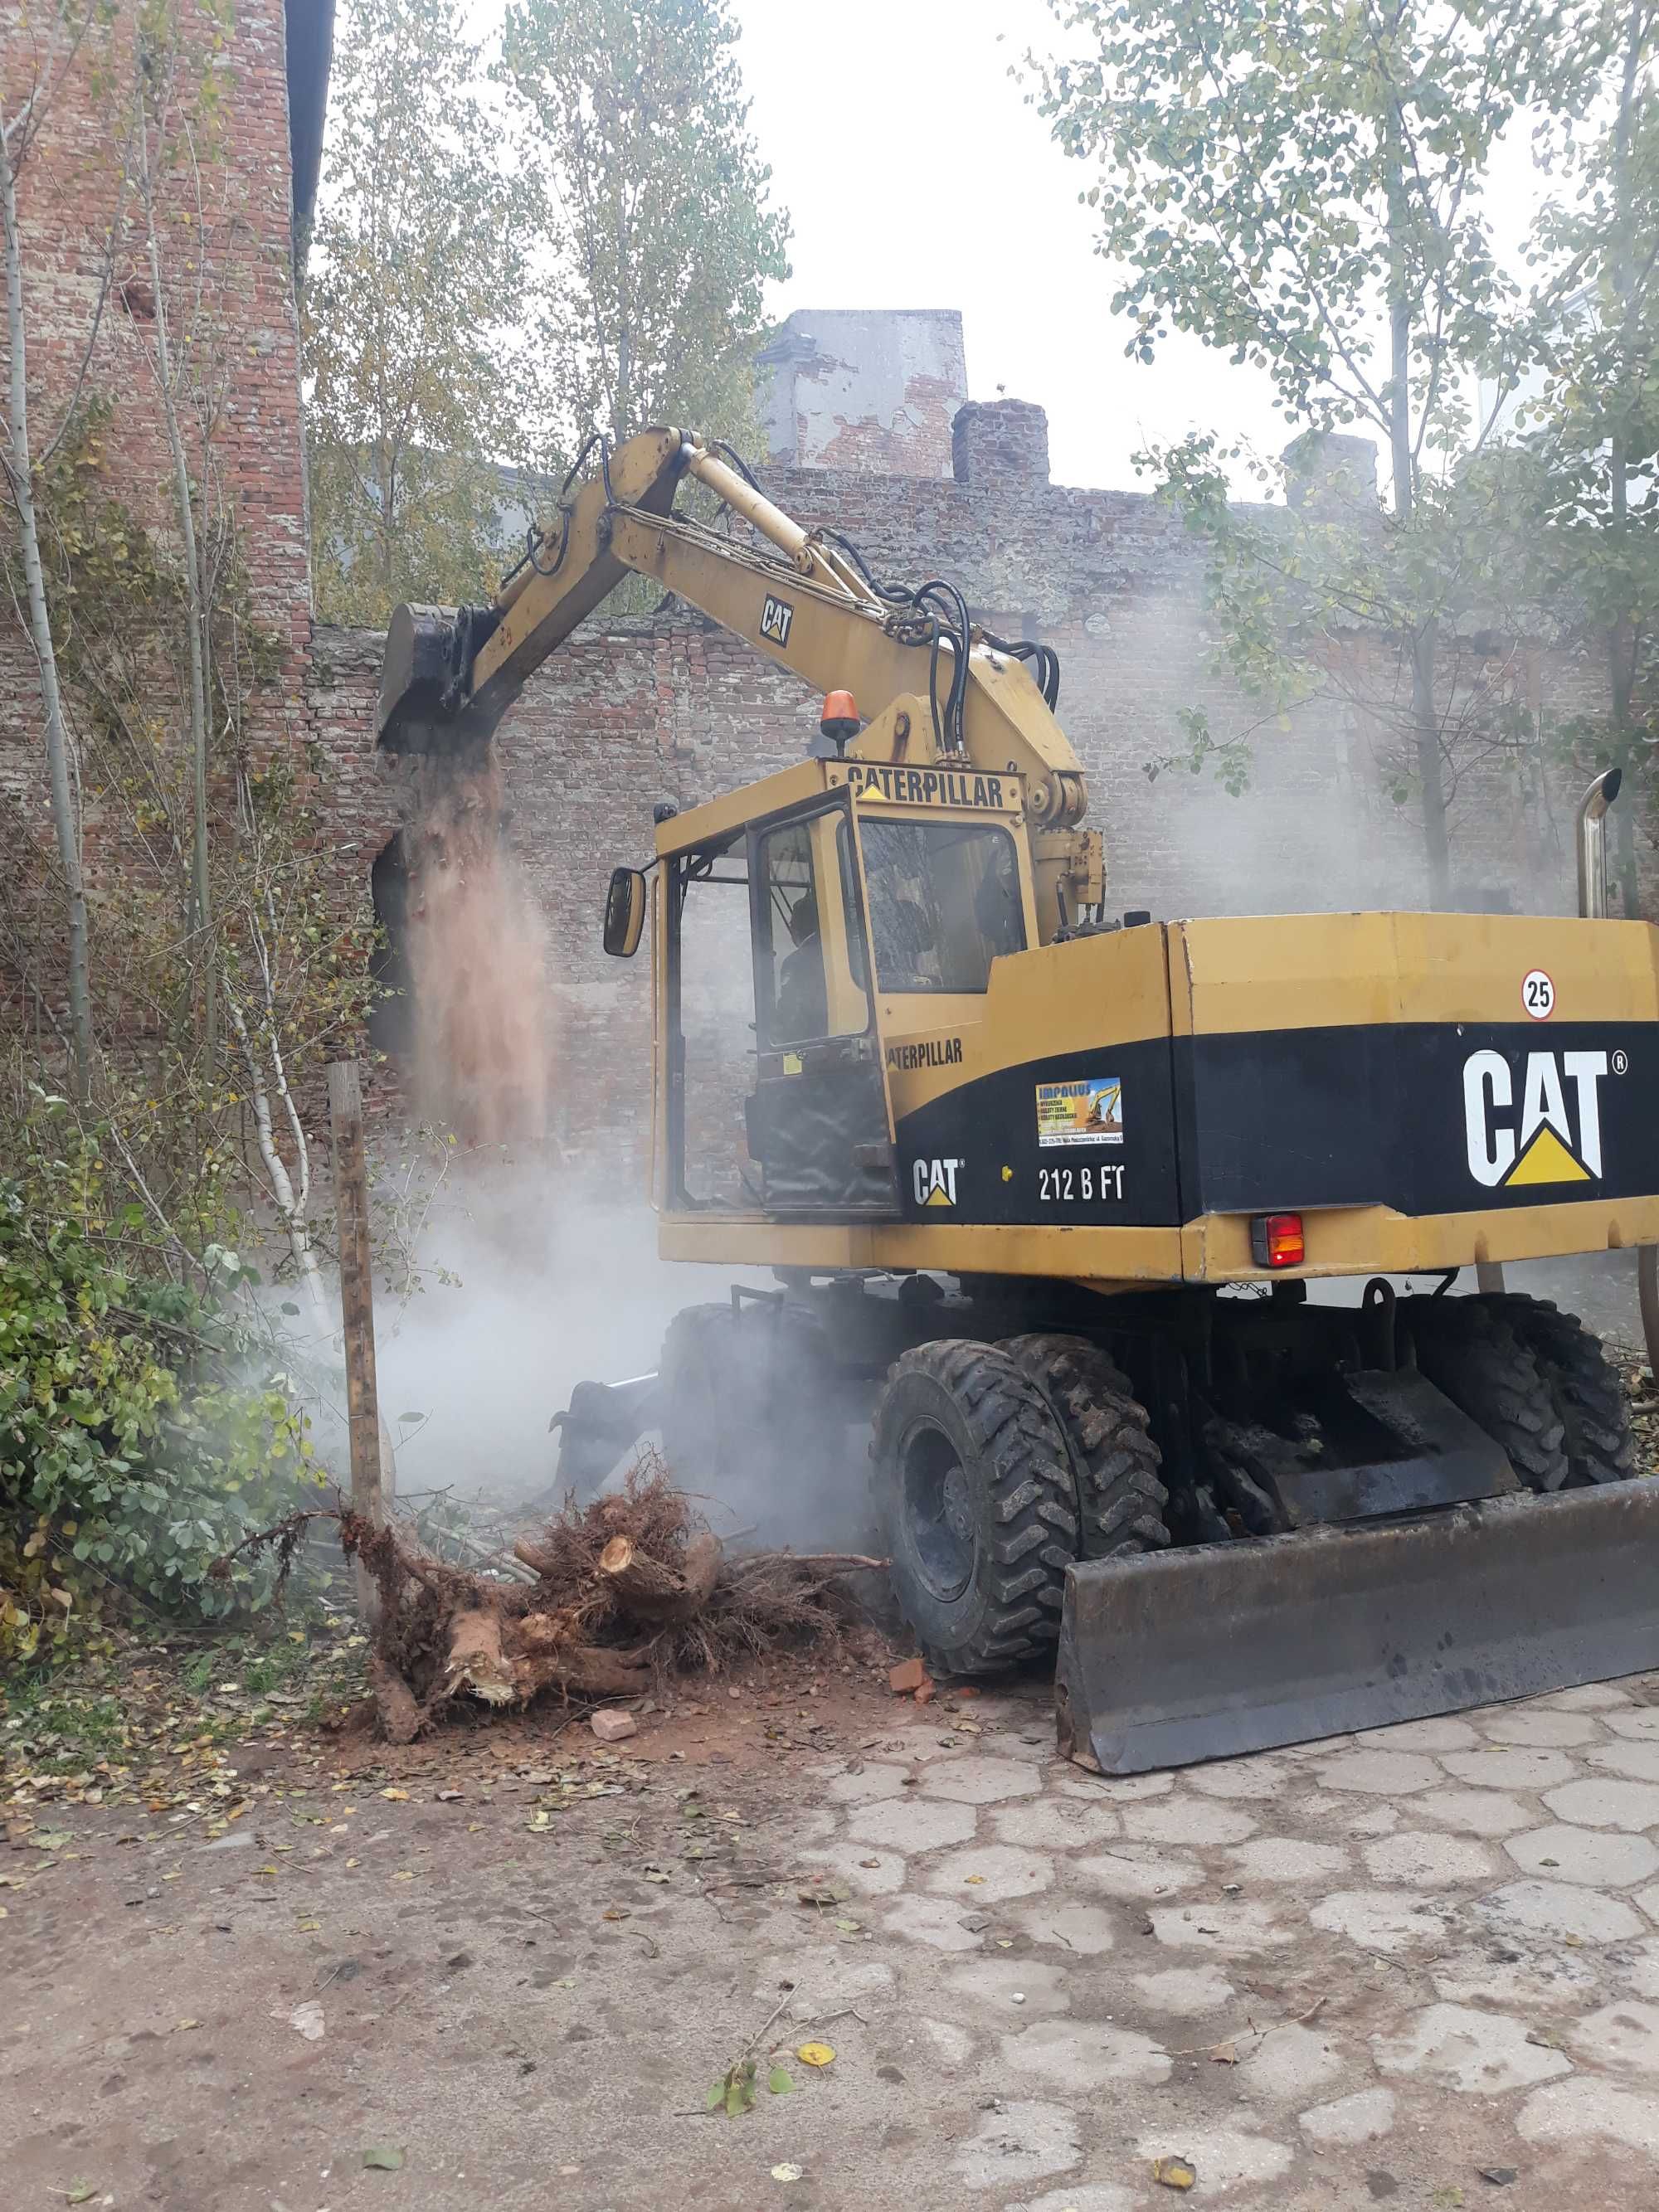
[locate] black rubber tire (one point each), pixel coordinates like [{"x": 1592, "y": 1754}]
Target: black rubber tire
[
  {"x": 980, "y": 1579},
  {"x": 1588, "y": 1388},
  {"x": 1115, "y": 1463},
  {"x": 1468, "y": 1348},
  {"x": 746, "y": 1405},
  {"x": 698, "y": 1348}
]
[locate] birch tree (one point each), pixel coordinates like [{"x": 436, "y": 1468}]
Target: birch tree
[{"x": 39, "y": 60}]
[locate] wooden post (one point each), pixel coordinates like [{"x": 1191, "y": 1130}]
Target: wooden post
[{"x": 345, "y": 1113}]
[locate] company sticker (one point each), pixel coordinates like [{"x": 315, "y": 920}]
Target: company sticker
[{"x": 1089, "y": 1111}]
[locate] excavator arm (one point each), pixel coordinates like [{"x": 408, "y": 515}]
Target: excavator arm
[{"x": 450, "y": 674}]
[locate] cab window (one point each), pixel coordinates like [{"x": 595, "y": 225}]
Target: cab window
[
  {"x": 945, "y": 903},
  {"x": 809, "y": 953}
]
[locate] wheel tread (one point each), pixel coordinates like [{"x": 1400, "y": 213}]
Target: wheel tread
[
  {"x": 1032, "y": 1506},
  {"x": 1121, "y": 1499}
]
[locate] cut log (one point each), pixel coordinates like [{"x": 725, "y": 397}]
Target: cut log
[
  {"x": 401, "y": 1716},
  {"x": 653, "y": 1592},
  {"x": 477, "y": 1662}
]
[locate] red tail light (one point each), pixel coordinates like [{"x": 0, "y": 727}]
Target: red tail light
[{"x": 1276, "y": 1240}]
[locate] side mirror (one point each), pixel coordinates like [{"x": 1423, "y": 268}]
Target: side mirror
[{"x": 624, "y": 912}]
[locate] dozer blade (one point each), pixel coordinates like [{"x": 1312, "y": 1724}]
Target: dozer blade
[{"x": 1205, "y": 1653}]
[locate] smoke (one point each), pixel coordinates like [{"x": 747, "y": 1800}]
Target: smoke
[
  {"x": 477, "y": 953},
  {"x": 534, "y": 1281}
]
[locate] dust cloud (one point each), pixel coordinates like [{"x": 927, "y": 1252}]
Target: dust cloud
[
  {"x": 477, "y": 955},
  {"x": 532, "y": 1282}
]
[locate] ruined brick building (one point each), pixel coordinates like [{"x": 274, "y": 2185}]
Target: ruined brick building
[{"x": 871, "y": 432}]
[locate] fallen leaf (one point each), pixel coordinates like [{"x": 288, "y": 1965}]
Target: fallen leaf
[
  {"x": 655, "y": 1874},
  {"x": 448, "y": 1796},
  {"x": 1546, "y": 2038},
  {"x": 1174, "y": 2172},
  {"x": 308, "y": 1927},
  {"x": 179, "y": 2026},
  {"x": 1499, "y": 2176},
  {"x": 779, "y": 2082},
  {"x": 1223, "y": 2055},
  {"x": 787, "y": 2173},
  {"x": 823, "y": 1893},
  {"x": 615, "y": 1912},
  {"x": 404, "y": 1873},
  {"x": 1451, "y": 2196},
  {"x": 383, "y": 2157},
  {"x": 816, "y": 2054},
  {"x": 307, "y": 2020},
  {"x": 79, "y": 2193},
  {"x": 974, "y": 1881},
  {"x": 735, "y": 2090},
  {"x": 398, "y": 1797}
]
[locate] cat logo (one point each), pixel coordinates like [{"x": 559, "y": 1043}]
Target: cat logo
[
  {"x": 1548, "y": 1141},
  {"x": 934, "y": 1182},
  {"x": 776, "y": 616}
]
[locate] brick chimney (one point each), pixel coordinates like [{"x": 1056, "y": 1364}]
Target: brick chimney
[
  {"x": 1333, "y": 477},
  {"x": 1000, "y": 441}
]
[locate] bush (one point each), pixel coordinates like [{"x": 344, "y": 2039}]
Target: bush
[{"x": 143, "y": 1430}]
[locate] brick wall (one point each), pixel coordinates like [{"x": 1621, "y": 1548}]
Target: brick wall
[
  {"x": 637, "y": 711},
  {"x": 227, "y": 239}
]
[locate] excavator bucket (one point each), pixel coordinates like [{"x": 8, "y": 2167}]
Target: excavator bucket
[{"x": 1206, "y": 1653}]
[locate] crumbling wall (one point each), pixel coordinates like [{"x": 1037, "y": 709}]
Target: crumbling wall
[
  {"x": 874, "y": 390},
  {"x": 227, "y": 226}
]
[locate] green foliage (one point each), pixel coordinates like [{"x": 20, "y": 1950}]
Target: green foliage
[
  {"x": 142, "y": 1432},
  {"x": 416, "y": 267},
  {"x": 658, "y": 233},
  {"x": 1304, "y": 184},
  {"x": 1279, "y": 175}
]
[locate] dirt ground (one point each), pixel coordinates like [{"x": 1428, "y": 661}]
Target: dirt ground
[{"x": 510, "y": 1968}]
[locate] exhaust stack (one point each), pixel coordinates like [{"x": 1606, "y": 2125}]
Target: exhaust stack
[{"x": 1593, "y": 844}]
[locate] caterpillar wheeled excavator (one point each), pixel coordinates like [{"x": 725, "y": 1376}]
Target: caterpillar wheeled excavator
[{"x": 1043, "y": 1191}]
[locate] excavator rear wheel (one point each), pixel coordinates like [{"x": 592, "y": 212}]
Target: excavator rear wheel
[
  {"x": 1468, "y": 1348},
  {"x": 1115, "y": 1463},
  {"x": 974, "y": 1488},
  {"x": 1588, "y": 1390}
]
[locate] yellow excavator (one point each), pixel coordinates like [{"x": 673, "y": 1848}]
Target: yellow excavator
[{"x": 1043, "y": 1190}]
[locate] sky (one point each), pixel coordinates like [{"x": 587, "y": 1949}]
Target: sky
[{"x": 918, "y": 177}]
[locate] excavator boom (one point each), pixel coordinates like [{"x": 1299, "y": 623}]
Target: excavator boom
[{"x": 450, "y": 674}]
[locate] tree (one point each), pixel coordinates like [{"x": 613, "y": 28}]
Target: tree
[
  {"x": 1297, "y": 182},
  {"x": 416, "y": 269},
  {"x": 40, "y": 60},
  {"x": 1589, "y": 448},
  {"x": 659, "y": 234}
]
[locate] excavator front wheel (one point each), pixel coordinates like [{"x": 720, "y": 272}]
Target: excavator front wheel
[
  {"x": 1587, "y": 1388},
  {"x": 1468, "y": 1348},
  {"x": 975, "y": 1489},
  {"x": 1115, "y": 1463}
]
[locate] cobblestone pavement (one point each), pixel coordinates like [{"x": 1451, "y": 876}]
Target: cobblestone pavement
[
  {"x": 1413, "y": 1962},
  {"x": 1419, "y": 1966}
]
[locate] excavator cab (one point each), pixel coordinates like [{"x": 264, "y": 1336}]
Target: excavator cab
[{"x": 878, "y": 904}]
